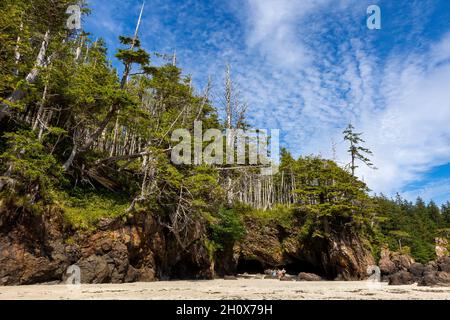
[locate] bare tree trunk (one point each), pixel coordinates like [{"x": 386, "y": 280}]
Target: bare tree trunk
[
  {"x": 41, "y": 108},
  {"x": 79, "y": 49},
  {"x": 69, "y": 161},
  {"x": 115, "y": 134},
  {"x": 205, "y": 98},
  {"x": 41, "y": 62},
  {"x": 17, "y": 55}
]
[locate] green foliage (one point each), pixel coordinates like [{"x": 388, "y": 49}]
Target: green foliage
[
  {"x": 27, "y": 161},
  {"x": 445, "y": 209},
  {"x": 328, "y": 198},
  {"x": 280, "y": 214},
  {"x": 356, "y": 151},
  {"x": 227, "y": 228},
  {"x": 415, "y": 225},
  {"x": 84, "y": 208}
]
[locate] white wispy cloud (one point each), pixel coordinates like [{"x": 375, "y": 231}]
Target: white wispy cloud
[
  {"x": 402, "y": 104},
  {"x": 309, "y": 67}
]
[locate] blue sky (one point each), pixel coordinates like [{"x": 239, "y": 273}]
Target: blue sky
[{"x": 309, "y": 67}]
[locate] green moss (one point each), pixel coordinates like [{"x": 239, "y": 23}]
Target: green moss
[
  {"x": 82, "y": 210},
  {"x": 280, "y": 214}
]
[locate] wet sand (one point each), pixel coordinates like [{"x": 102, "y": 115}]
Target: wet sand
[{"x": 227, "y": 289}]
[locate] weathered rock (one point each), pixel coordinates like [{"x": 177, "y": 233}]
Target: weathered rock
[
  {"x": 435, "y": 278},
  {"x": 94, "y": 269},
  {"x": 402, "y": 261},
  {"x": 132, "y": 275},
  {"x": 430, "y": 267},
  {"x": 146, "y": 275},
  {"x": 304, "y": 276},
  {"x": 387, "y": 266},
  {"x": 30, "y": 252},
  {"x": 441, "y": 247},
  {"x": 287, "y": 279},
  {"x": 343, "y": 254},
  {"x": 346, "y": 257},
  {"x": 39, "y": 249},
  {"x": 444, "y": 264},
  {"x": 401, "y": 278},
  {"x": 119, "y": 262},
  {"x": 417, "y": 269},
  {"x": 393, "y": 262},
  {"x": 263, "y": 242}
]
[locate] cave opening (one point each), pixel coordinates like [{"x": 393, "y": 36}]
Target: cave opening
[
  {"x": 294, "y": 267},
  {"x": 297, "y": 266},
  {"x": 185, "y": 270},
  {"x": 249, "y": 266}
]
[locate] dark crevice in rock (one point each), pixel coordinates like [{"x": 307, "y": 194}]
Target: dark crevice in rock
[
  {"x": 250, "y": 266},
  {"x": 298, "y": 266}
]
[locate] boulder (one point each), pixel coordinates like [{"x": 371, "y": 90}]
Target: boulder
[
  {"x": 304, "y": 276},
  {"x": 444, "y": 264},
  {"x": 417, "y": 269},
  {"x": 387, "y": 266},
  {"x": 94, "y": 269},
  {"x": 146, "y": 274},
  {"x": 435, "y": 278},
  {"x": 287, "y": 279},
  {"x": 401, "y": 278},
  {"x": 132, "y": 275},
  {"x": 402, "y": 261},
  {"x": 430, "y": 267},
  {"x": 393, "y": 262}
]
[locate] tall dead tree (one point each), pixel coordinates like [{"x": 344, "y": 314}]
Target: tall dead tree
[
  {"x": 113, "y": 110},
  {"x": 41, "y": 61}
]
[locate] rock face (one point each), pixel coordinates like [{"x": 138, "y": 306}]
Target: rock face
[
  {"x": 417, "y": 270},
  {"x": 435, "y": 278},
  {"x": 400, "y": 269},
  {"x": 441, "y": 247},
  {"x": 31, "y": 254},
  {"x": 347, "y": 257},
  {"x": 443, "y": 264},
  {"x": 393, "y": 262},
  {"x": 341, "y": 256},
  {"x": 38, "y": 249},
  {"x": 41, "y": 248}
]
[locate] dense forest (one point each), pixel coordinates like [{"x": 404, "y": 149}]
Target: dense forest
[{"x": 77, "y": 134}]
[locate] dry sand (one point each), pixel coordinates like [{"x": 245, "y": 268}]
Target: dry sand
[{"x": 226, "y": 289}]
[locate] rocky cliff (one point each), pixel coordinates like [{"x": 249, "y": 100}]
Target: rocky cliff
[
  {"x": 40, "y": 248},
  {"x": 37, "y": 249},
  {"x": 341, "y": 256}
]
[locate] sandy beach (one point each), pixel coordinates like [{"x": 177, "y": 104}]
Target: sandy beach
[{"x": 228, "y": 290}]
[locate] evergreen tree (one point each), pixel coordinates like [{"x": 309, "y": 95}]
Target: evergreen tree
[{"x": 356, "y": 151}]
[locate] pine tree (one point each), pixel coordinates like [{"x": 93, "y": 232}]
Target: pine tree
[
  {"x": 356, "y": 151},
  {"x": 445, "y": 209}
]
